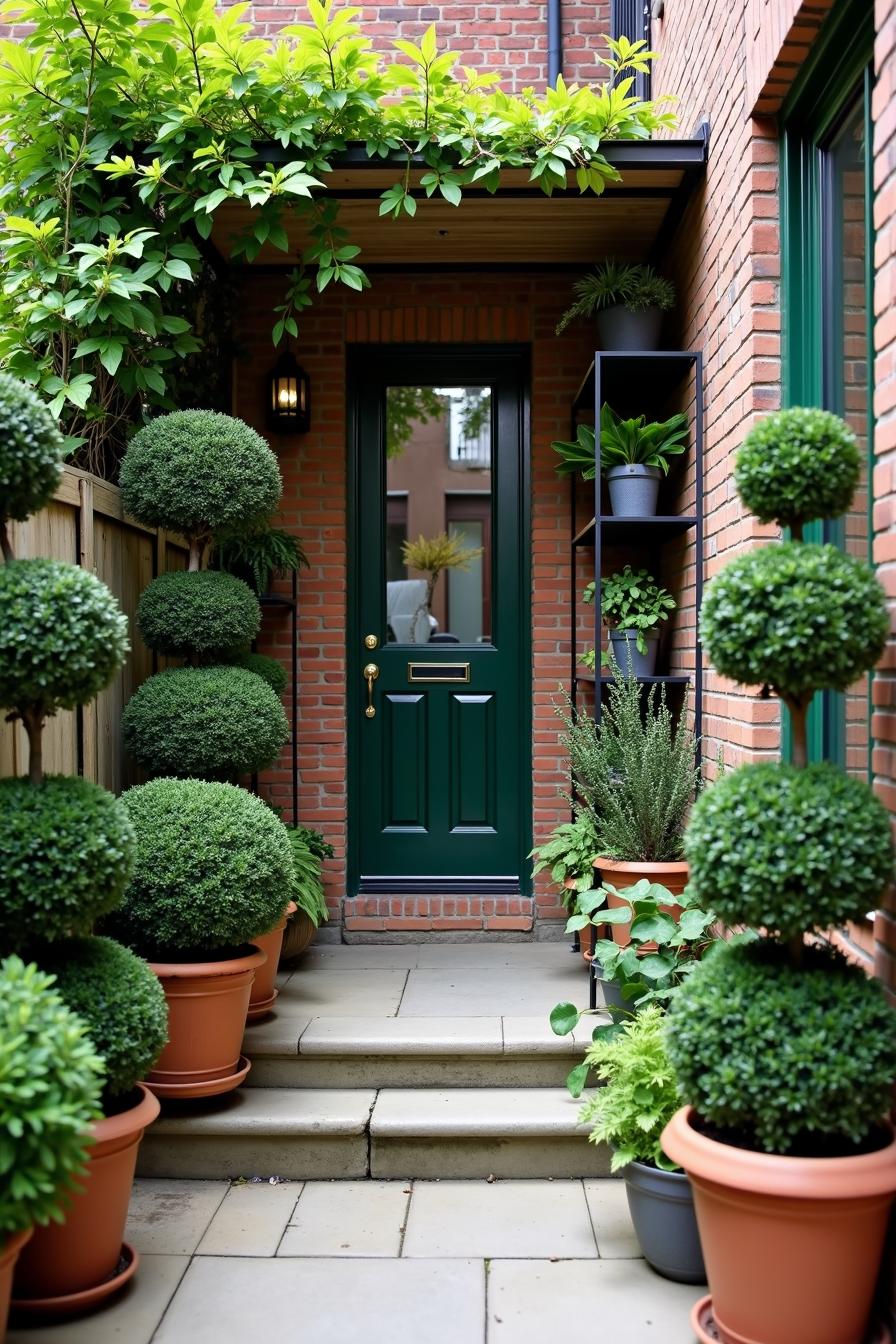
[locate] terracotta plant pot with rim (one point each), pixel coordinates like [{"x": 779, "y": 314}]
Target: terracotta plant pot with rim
[
  {"x": 299, "y": 935},
  {"x": 207, "y": 1006},
  {"x": 9, "y": 1254},
  {"x": 792, "y": 1244},
  {"x": 264, "y": 993},
  {"x": 71, "y": 1266},
  {"x": 672, "y": 876}
]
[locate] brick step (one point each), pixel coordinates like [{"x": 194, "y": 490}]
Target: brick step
[
  {"x": 410, "y": 1052},
  {"x": 396, "y": 1132}
]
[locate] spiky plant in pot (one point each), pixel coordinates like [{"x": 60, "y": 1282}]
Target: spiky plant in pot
[{"x": 785, "y": 1052}]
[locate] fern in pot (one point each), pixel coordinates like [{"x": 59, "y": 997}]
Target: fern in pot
[{"x": 627, "y": 299}]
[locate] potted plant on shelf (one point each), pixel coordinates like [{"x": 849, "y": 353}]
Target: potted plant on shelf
[
  {"x": 785, "y": 1053},
  {"x": 309, "y": 849},
  {"x": 627, "y": 299},
  {"x": 634, "y": 455},
  {"x": 569, "y": 853},
  {"x": 258, "y": 554},
  {"x": 50, "y": 1081},
  {"x": 632, "y": 605},
  {"x": 213, "y": 866}
]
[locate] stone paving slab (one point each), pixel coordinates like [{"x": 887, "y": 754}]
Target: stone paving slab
[
  {"x": 130, "y": 1318},
  {"x": 170, "y": 1217},
  {"x": 348, "y": 1218},
  {"x": 335, "y": 989},
  {"x": 403, "y": 1036},
  {"x": 612, "y": 1222},
  {"x": 502, "y": 991},
  {"x": 528, "y": 1035},
  {"x": 251, "y": 1219},
  {"x": 499, "y": 1219},
  {"x": 474, "y": 1112},
  {"x": 327, "y": 1301}
]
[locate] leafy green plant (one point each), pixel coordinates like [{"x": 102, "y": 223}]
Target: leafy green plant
[
  {"x": 314, "y": 841},
  {"x": 308, "y": 887},
  {"x": 801, "y": 463},
  {"x": 631, "y": 599},
  {"x": 204, "y": 722},
  {"x": 569, "y": 853},
  {"x": 631, "y": 285},
  {"x": 259, "y": 554},
  {"x": 66, "y": 853},
  {"x": 636, "y": 772},
  {"x": 50, "y": 1080},
  {"x": 269, "y": 669},
  {"x": 204, "y": 615},
  {"x": 638, "y": 442},
  {"x": 638, "y": 1096},
  {"x": 577, "y": 454},
  {"x": 199, "y": 473},
  {"x": 31, "y": 455},
  {"x": 122, "y": 138},
  {"x": 213, "y": 868},
  {"x": 122, "y": 1004}
]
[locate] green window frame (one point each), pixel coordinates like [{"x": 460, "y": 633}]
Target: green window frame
[{"x": 834, "y": 86}]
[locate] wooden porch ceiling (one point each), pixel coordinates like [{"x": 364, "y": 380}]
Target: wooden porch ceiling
[{"x": 517, "y": 226}]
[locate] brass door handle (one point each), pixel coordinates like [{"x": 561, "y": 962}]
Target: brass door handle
[{"x": 371, "y": 672}]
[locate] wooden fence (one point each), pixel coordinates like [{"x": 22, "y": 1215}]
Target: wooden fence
[{"x": 85, "y": 525}]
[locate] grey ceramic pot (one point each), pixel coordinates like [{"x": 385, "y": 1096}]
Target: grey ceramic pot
[
  {"x": 625, "y": 651},
  {"x": 662, "y": 1207},
  {"x": 620, "y": 329},
  {"x": 634, "y": 490}
]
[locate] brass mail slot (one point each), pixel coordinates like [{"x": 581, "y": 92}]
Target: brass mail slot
[{"x": 418, "y": 672}]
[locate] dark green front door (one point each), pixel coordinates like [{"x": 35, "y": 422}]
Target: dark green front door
[{"x": 439, "y": 728}]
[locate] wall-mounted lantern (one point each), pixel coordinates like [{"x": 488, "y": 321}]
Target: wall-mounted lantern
[{"x": 289, "y": 396}]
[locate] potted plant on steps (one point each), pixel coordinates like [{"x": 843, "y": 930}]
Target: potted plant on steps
[
  {"x": 632, "y": 605},
  {"x": 568, "y": 853},
  {"x": 50, "y": 1081},
  {"x": 785, "y": 1053},
  {"x": 627, "y": 299},
  {"x": 68, "y": 1266},
  {"x": 213, "y": 866},
  {"x": 634, "y": 456},
  {"x": 309, "y": 849}
]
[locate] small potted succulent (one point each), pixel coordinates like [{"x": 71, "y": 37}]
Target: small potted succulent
[
  {"x": 633, "y": 604},
  {"x": 634, "y": 456},
  {"x": 213, "y": 866},
  {"x": 627, "y": 299},
  {"x": 569, "y": 853},
  {"x": 50, "y": 1082},
  {"x": 786, "y": 1053}
]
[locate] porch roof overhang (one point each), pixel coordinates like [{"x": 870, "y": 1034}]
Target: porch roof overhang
[{"x": 518, "y": 226}]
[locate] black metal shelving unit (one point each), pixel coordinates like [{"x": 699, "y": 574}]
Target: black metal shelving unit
[
  {"x": 274, "y": 602},
  {"x": 655, "y": 383}
]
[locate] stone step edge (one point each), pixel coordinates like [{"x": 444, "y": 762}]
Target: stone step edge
[{"x": 310, "y": 1044}]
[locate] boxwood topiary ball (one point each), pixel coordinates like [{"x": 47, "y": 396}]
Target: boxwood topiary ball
[
  {"x": 269, "y": 669},
  {"x": 31, "y": 450},
  {"x": 204, "y": 723},
  {"x": 66, "y": 852},
  {"x": 50, "y": 1080},
  {"x": 213, "y": 869},
  {"x": 795, "y": 617},
  {"x": 63, "y": 636},
  {"x": 209, "y": 614},
  {"x": 788, "y": 849},
  {"x": 798, "y": 464},
  {"x": 782, "y": 1061},
  {"x": 199, "y": 472},
  {"x": 121, "y": 1002}
]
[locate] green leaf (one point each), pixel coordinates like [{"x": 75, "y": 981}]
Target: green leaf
[
  {"x": 564, "y": 1019},
  {"x": 576, "y": 1079}
]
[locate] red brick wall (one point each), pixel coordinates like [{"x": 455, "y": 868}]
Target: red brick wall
[{"x": 779, "y": 35}]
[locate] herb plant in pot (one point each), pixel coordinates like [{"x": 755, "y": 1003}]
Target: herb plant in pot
[
  {"x": 213, "y": 866},
  {"x": 634, "y": 456},
  {"x": 633, "y": 604},
  {"x": 569, "y": 854},
  {"x": 627, "y": 299},
  {"x": 785, "y": 1053}
]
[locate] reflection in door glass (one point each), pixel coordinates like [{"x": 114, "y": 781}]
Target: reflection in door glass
[{"x": 438, "y": 539}]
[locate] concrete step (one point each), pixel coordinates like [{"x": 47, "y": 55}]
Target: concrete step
[
  {"x": 308, "y": 1133},
  {"x": 410, "y": 1052}
]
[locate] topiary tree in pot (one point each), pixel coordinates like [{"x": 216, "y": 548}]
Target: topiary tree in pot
[
  {"x": 213, "y": 866},
  {"x": 786, "y": 1053}
]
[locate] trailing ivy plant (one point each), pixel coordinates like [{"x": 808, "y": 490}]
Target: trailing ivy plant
[{"x": 124, "y": 129}]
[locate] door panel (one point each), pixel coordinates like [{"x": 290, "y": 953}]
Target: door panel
[{"x": 438, "y": 447}]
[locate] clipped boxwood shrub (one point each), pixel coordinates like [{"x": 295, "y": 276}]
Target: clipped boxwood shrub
[
  {"x": 798, "y": 464},
  {"x": 795, "y": 617},
  {"x": 213, "y": 869},
  {"x": 784, "y": 1061},
  {"x": 31, "y": 450},
  {"x": 789, "y": 849},
  {"x": 269, "y": 669},
  {"x": 204, "y": 723},
  {"x": 63, "y": 636},
  {"x": 50, "y": 1080},
  {"x": 198, "y": 473},
  {"x": 66, "y": 851},
  {"x": 120, "y": 1001},
  {"x": 206, "y": 613}
]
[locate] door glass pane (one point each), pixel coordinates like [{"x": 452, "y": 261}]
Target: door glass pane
[{"x": 438, "y": 502}]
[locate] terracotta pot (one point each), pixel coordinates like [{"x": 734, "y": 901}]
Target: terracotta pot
[
  {"x": 299, "y": 934},
  {"x": 673, "y": 876},
  {"x": 207, "y": 1006},
  {"x": 83, "y": 1252},
  {"x": 9, "y": 1253},
  {"x": 792, "y": 1244},
  {"x": 264, "y": 995}
]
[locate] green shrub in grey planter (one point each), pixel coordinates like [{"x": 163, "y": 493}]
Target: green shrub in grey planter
[{"x": 628, "y": 301}]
